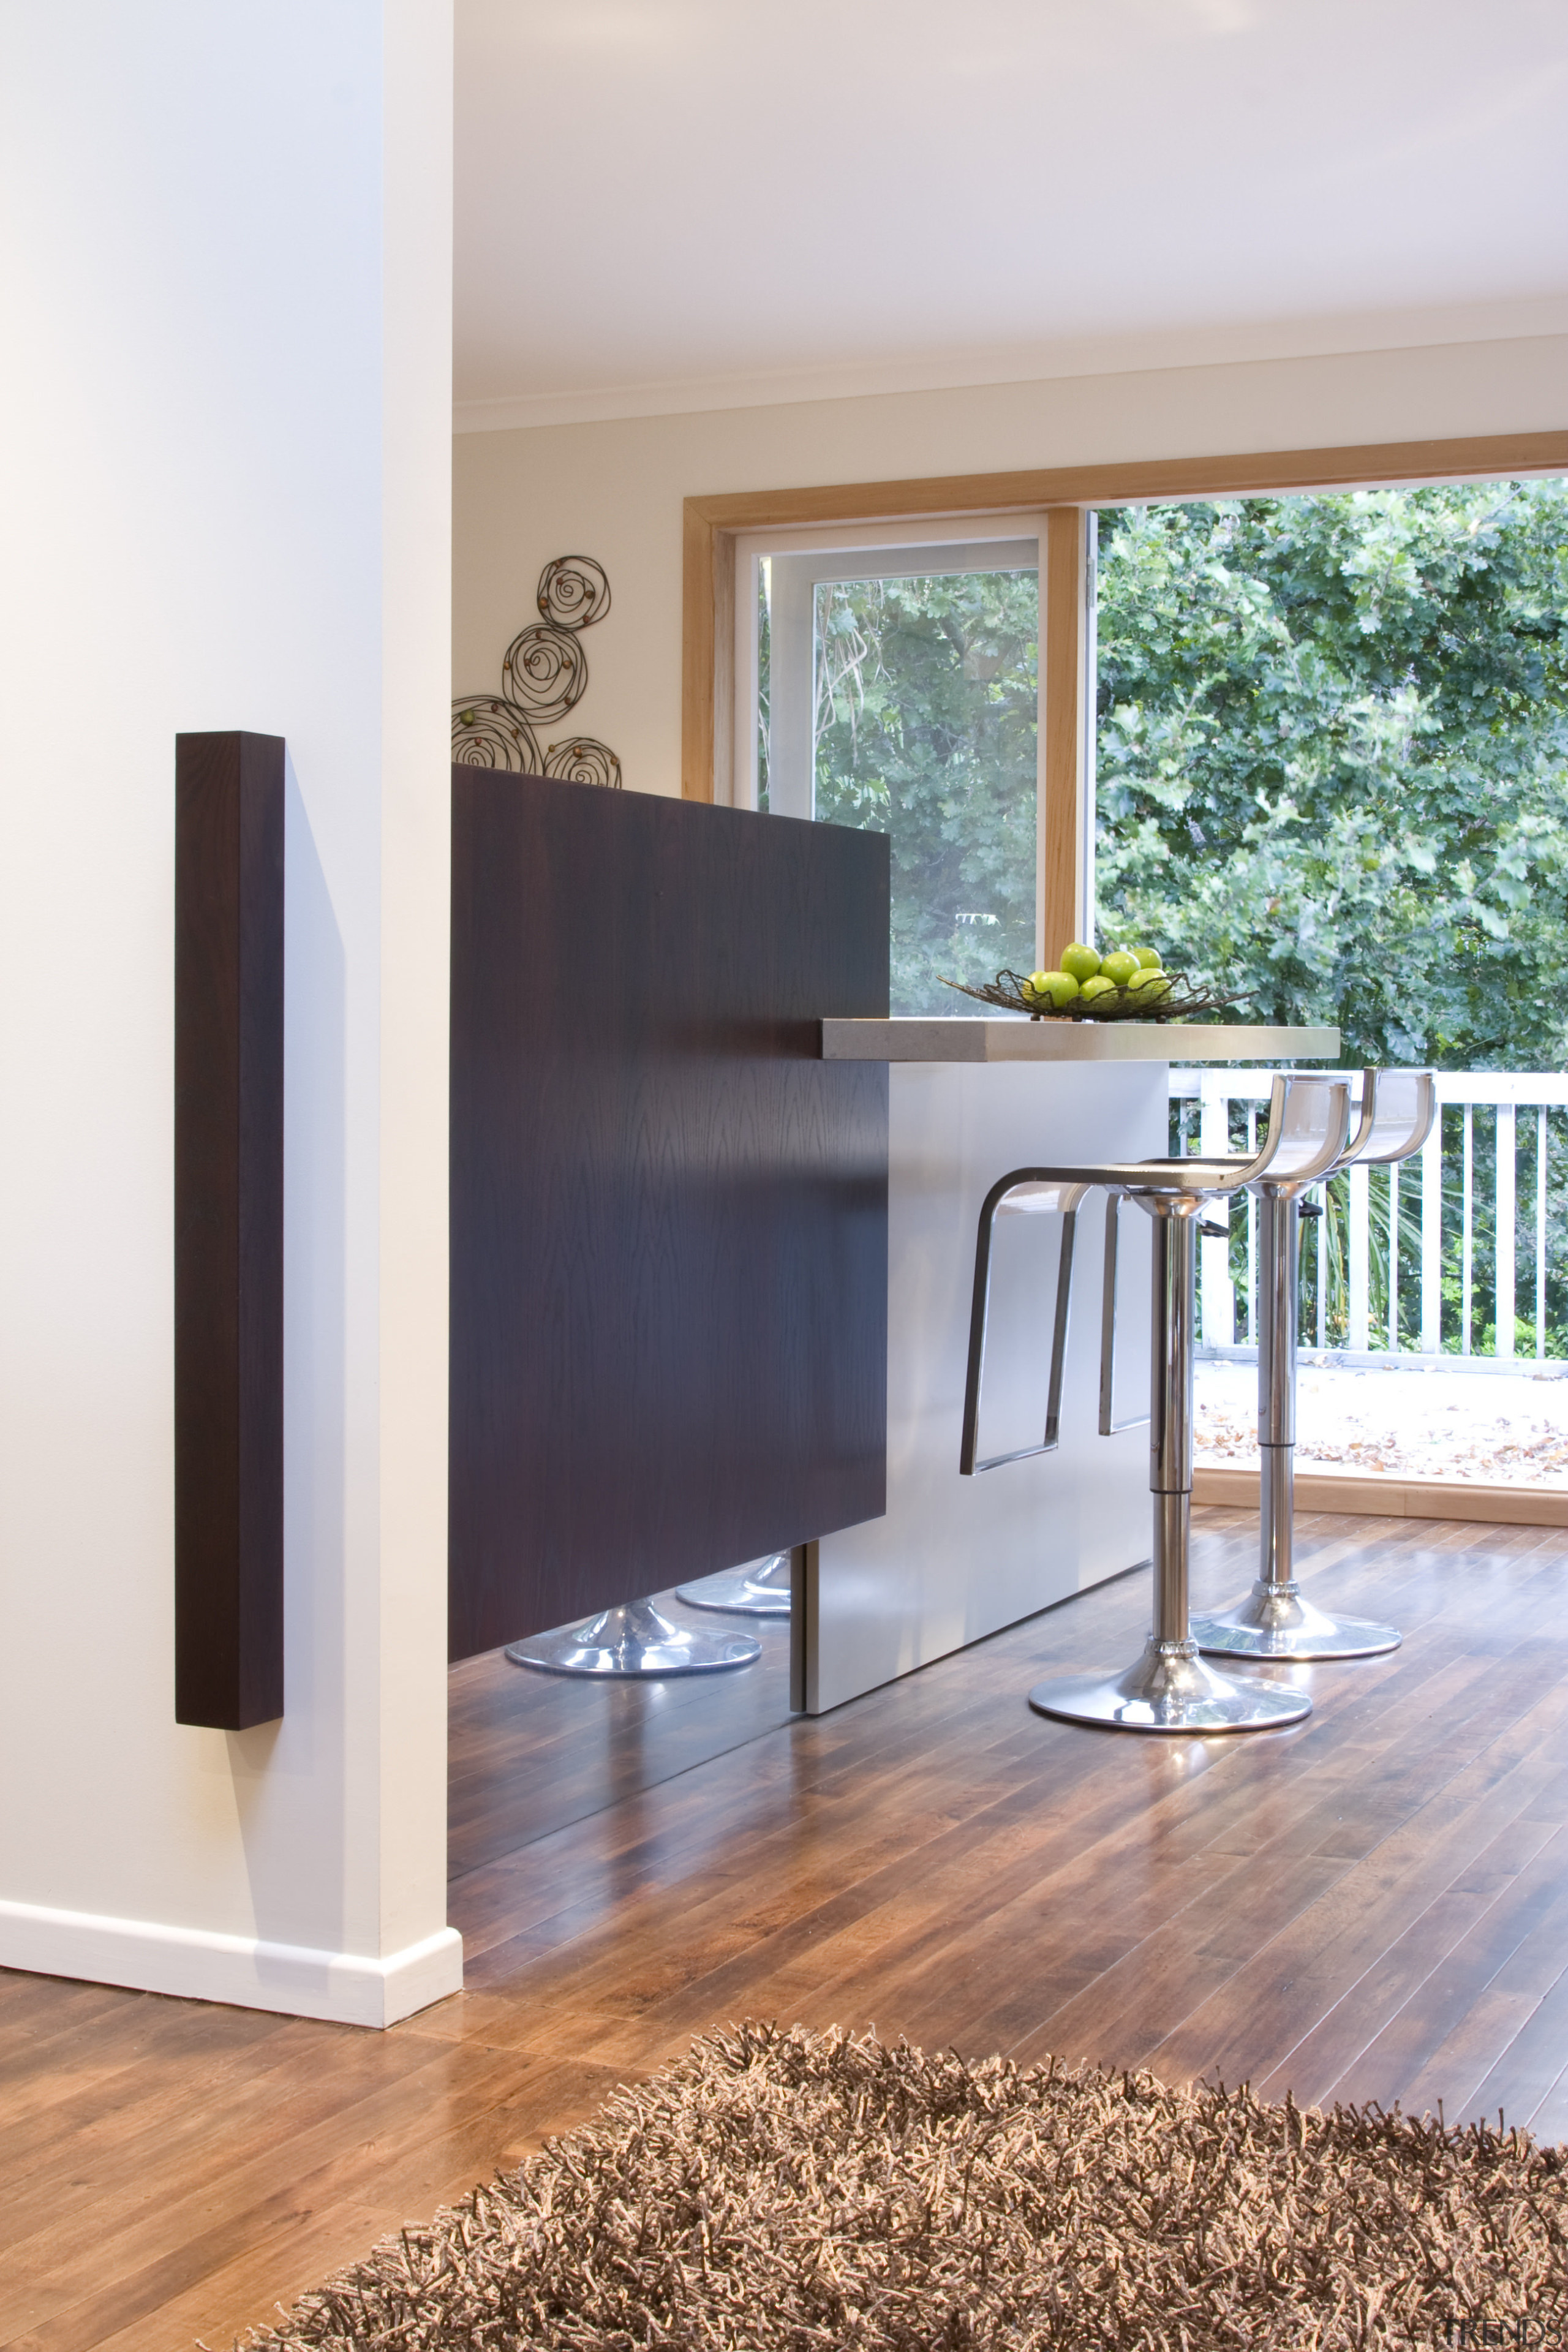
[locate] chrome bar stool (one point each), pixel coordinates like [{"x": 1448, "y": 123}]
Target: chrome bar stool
[
  {"x": 1397, "y": 1111},
  {"x": 1169, "y": 1689},
  {"x": 758, "y": 1588},
  {"x": 635, "y": 1639}
]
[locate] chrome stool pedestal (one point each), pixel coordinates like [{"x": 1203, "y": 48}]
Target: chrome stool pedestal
[
  {"x": 758, "y": 1588},
  {"x": 1169, "y": 1688},
  {"x": 635, "y": 1639},
  {"x": 1276, "y": 1620}
]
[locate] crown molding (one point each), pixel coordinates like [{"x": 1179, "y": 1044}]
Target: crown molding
[{"x": 1349, "y": 335}]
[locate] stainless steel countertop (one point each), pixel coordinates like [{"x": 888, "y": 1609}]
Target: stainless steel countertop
[{"x": 1021, "y": 1040}]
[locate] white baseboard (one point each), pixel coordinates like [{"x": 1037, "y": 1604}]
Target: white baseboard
[{"x": 246, "y": 1971}]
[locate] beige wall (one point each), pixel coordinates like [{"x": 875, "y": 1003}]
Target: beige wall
[{"x": 614, "y": 490}]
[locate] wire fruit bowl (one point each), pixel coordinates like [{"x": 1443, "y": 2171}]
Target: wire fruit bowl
[{"x": 1178, "y": 1002}]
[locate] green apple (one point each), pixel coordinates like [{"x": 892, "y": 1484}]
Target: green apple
[
  {"x": 1149, "y": 958},
  {"x": 1119, "y": 967},
  {"x": 1095, "y": 988},
  {"x": 1149, "y": 986},
  {"x": 1059, "y": 986},
  {"x": 1080, "y": 964}
]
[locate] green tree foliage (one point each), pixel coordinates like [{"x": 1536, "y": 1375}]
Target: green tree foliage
[
  {"x": 1333, "y": 762},
  {"x": 925, "y": 729}
]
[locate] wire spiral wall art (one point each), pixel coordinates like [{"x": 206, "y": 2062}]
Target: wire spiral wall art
[{"x": 544, "y": 675}]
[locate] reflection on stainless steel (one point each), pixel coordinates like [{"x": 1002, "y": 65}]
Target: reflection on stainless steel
[
  {"x": 636, "y": 1639},
  {"x": 758, "y": 1588},
  {"x": 1398, "y": 1110},
  {"x": 1018, "y": 1199},
  {"x": 1108, "y": 1424},
  {"x": 955, "y": 1559}
]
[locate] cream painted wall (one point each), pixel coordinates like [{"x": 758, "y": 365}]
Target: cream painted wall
[
  {"x": 614, "y": 489},
  {"x": 225, "y": 438}
]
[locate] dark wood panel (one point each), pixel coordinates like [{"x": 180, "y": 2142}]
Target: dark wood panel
[
  {"x": 228, "y": 1230},
  {"x": 668, "y": 1214}
]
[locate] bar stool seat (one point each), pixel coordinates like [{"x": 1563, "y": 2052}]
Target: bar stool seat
[{"x": 1169, "y": 1688}]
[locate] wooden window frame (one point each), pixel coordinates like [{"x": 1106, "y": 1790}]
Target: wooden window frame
[{"x": 713, "y": 525}]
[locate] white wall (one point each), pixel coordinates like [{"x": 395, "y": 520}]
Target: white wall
[
  {"x": 614, "y": 489},
  {"x": 225, "y": 438}
]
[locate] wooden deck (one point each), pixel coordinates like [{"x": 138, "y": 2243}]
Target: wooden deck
[{"x": 1374, "y": 1904}]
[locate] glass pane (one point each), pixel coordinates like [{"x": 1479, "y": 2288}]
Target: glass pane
[
  {"x": 1333, "y": 761},
  {"x": 924, "y": 727}
]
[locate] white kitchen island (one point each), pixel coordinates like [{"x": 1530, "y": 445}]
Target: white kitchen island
[{"x": 954, "y": 1558}]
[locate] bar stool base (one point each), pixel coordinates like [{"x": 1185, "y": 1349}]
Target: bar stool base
[
  {"x": 1276, "y": 1622},
  {"x": 1170, "y": 1689},
  {"x": 636, "y": 1639},
  {"x": 758, "y": 1588}
]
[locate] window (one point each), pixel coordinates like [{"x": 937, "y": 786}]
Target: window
[
  {"x": 894, "y": 684},
  {"x": 839, "y": 769},
  {"x": 1331, "y": 746},
  {"x": 1332, "y": 759}
]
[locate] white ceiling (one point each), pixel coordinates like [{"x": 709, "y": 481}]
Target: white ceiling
[{"x": 672, "y": 204}]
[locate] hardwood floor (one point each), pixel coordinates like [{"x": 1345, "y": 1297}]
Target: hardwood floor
[{"x": 1373, "y": 1904}]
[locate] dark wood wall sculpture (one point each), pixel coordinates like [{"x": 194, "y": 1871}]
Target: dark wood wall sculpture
[
  {"x": 668, "y": 1214},
  {"x": 228, "y": 1230}
]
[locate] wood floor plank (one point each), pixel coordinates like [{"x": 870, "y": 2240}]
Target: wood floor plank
[
  {"x": 929, "y": 1847},
  {"x": 1252, "y": 2026},
  {"x": 1549, "y": 2123},
  {"x": 1373, "y": 1904},
  {"x": 330, "y": 2212},
  {"x": 158, "y": 2186},
  {"x": 125, "y": 2059},
  {"x": 1369, "y": 1998},
  {"x": 1476, "y": 2044},
  {"x": 47, "y": 2010},
  {"x": 1140, "y": 2002},
  {"x": 530, "y": 1752},
  {"x": 1267, "y": 2008},
  {"x": 1390, "y": 2068},
  {"x": 167, "y": 2234},
  {"x": 1131, "y": 2010},
  {"x": 1513, "y": 2086}
]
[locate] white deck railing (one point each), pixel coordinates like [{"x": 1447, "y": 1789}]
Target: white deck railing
[{"x": 1413, "y": 1266}]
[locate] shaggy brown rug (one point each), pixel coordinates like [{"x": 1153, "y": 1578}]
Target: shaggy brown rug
[{"x": 787, "y": 2191}]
